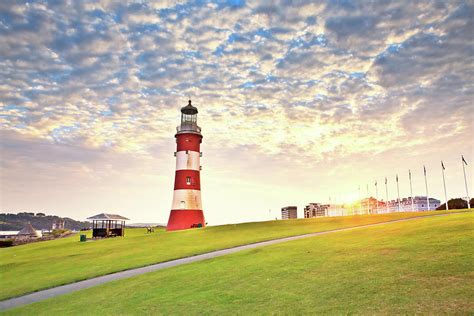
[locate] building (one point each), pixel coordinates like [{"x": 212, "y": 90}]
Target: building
[
  {"x": 58, "y": 224},
  {"x": 337, "y": 210},
  {"x": 107, "y": 225},
  {"x": 420, "y": 203},
  {"x": 186, "y": 210},
  {"x": 289, "y": 212},
  {"x": 316, "y": 210},
  {"x": 28, "y": 232},
  {"x": 368, "y": 205}
]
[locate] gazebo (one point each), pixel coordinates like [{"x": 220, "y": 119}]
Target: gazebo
[
  {"x": 108, "y": 225},
  {"x": 28, "y": 232}
]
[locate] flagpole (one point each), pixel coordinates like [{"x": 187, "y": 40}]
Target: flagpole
[
  {"x": 427, "y": 195},
  {"x": 398, "y": 194},
  {"x": 368, "y": 200},
  {"x": 444, "y": 185},
  {"x": 386, "y": 194},
  {"x": 377, "y": 197},
  {"x": 360, "y": 202},
  {"x": 411, "y": 191},
  {"x": 465, "y": 180}
]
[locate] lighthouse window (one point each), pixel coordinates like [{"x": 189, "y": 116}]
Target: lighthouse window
[{"x": 188, "y": 180}]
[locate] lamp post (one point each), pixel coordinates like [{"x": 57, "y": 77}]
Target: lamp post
[
  {"x": 427, "y": 195},
  {"x": 411, "y": 192}
]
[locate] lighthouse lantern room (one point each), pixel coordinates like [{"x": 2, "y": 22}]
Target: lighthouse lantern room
[{"x": 186, "y": 209}]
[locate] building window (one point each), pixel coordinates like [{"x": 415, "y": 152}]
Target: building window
[{"x": 188, "y": 180}]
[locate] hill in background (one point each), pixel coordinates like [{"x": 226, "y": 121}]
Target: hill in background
[{"x": 39, "y": 221}]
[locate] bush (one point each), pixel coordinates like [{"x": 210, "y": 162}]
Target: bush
[
  {"x": 59, "y": 232},
  {"x": 6, "y": 243},
  {"x": 455, "y": 204}
]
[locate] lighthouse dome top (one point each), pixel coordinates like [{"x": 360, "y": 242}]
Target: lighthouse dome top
[{"x": 189, "y": 109}]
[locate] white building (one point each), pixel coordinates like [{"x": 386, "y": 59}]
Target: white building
[
  {"x": 370, "y": 206},
  {"x": 337, "y": 210},
  {"x": 419, "y": 204}
]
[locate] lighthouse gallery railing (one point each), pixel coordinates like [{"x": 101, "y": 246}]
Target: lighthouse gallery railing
[{"x": 188, "y": 127}]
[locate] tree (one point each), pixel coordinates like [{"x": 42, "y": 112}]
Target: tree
[{"x": 454, "y": 204}]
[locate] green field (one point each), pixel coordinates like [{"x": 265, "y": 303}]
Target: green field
[
  {"x": 423, "y": 266},
  {"x": 36, "y": 266}
]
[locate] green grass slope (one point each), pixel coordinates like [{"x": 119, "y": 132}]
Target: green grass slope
[
  {"x": 42, "y": 265},
  {"x": 423, "y": 266}
]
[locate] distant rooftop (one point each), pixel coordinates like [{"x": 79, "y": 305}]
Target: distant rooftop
[
  {"x": 27, "y": 230},
  {"x": 105, "y": 217}
]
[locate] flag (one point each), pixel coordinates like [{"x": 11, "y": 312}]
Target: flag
[
  {"x": 464, "y": 160},
  {"x": 424, "y": 170},
  {"x": 375, "y": 183},
  {"x": 397, "y": 177},
  {"x": 385, "y": 180},
  {"x": 442, "y": 165},
  {"x": 409, "y": 174}
]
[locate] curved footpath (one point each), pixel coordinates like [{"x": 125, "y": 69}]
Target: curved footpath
[{"x": 80, "y": 285}]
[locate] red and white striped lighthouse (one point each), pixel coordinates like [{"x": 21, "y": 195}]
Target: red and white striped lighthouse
[{"x": 186, "y": 210}]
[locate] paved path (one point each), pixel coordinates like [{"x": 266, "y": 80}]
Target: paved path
[{"x": 68, "y": 288}]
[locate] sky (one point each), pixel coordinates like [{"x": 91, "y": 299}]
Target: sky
[{"x": 299, "y": 101}]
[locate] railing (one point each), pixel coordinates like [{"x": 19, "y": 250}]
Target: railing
[{"x": 188, "y": 128}]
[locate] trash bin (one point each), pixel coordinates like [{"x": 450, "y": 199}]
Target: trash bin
[{"x": 83, "y": 238}]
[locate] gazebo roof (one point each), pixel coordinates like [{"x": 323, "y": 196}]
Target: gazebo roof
[
  {"x": 109, "y": 217},
  {"x": 27, "y": 230}
]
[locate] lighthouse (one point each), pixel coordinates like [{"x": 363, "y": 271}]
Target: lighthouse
[{"x": 186, "y": 209}]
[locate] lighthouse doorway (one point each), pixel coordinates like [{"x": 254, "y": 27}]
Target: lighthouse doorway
[{"x": 183, "y": 205}]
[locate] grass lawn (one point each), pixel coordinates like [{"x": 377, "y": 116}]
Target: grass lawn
[
  {"x": 36, "y": 266},
  {"x": 423, "y": 266}
]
